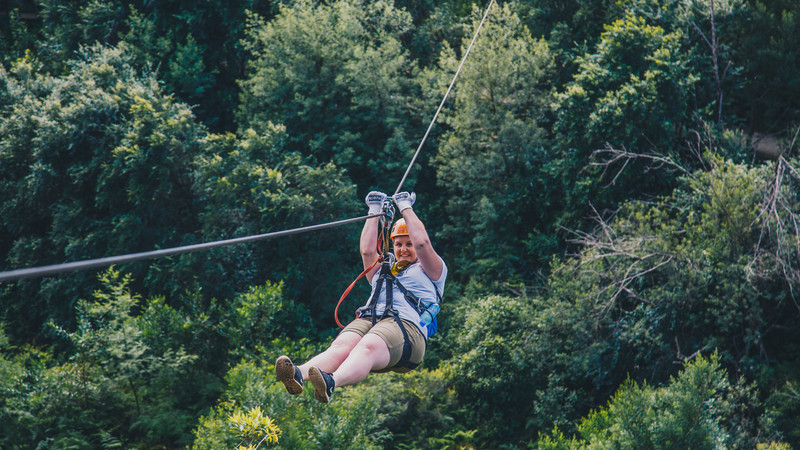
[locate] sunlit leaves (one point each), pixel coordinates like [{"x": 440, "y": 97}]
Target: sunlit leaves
[
  {"x": 338, "y": 77},
  {"x": 254, "y": 428}
]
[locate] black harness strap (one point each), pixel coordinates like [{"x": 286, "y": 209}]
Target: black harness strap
[{"x": 386, "y": 278}]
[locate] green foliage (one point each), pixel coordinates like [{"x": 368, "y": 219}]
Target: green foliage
[
  {"x": 102, "y": 162},
  {"x": 425, "y": 411},
  {"x": 196, "y": 45},
  {"x": 345, "y": 424},
  {"x": 487, "y": 344},
  {"x": 188, "y": 71},
  {"x": 489, "y": 162},
  {"x": 661, "y": 283},
  {"x": 313, "y": 104},
  {"x": 769, "y": 53},
  {"x": 337, "y": 76},
  {"x": 69, "y": 25},
  {"x": 667, "y": 281},
  {"x": 784, "y": 403},
  {"x": 12, "y": 373},
  {"x": 138, "y": 371},
  {"x": 435, "y": 22},
  {"x": 95, "y": 163},
  {"x": 683, "y": 414},
  {"x": 689, "y": 412},
  {"x": 406, "y": 411},
  {"x": 15, "y": 36},
  {"x": 617, "y": 90},
  {"x": 110, "y": 346},
  {"x": 224, "y": 331},
  {"x": 254, "y": 428},
  {"x": 633, "y": 92},
  {"x": 112, "y": 386},
  {"x": 260, "y": 316},
  {"x": 248, "y": 185}
]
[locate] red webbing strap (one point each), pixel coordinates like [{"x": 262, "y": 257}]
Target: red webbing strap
[{"x": 349, "y": 288}]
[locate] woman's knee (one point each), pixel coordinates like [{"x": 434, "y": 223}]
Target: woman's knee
[
  {"x": 345, "y": 342},
  {"x": 374, "y": 347}
]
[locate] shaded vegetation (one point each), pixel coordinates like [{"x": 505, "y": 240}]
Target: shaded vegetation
[{"x": 623, "y": 245}]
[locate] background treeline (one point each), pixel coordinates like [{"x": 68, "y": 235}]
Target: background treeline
[{"x": 613, "y": 184}]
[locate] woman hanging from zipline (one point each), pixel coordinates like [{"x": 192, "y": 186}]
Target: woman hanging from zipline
[{"x": 381, "y": 338}]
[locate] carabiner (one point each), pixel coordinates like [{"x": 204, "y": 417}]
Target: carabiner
[{"x": 388, "y": 209}]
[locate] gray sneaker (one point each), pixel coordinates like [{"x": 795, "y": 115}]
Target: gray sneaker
[
  {"x": 289, "y": 375},
  {"x": 323, "y": 384}
]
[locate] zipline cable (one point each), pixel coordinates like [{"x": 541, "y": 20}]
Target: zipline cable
[
  {"x": 101, "y": 262},
  {"x": 419, "y": 148},
  {"x": 107, "y": 261},
  {"x": 435, "y": 116}
]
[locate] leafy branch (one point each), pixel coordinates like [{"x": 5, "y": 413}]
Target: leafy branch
[{"x": 254, "y": 428}]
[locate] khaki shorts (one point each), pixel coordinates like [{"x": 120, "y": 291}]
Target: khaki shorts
[{"x": 390, "y": 332}]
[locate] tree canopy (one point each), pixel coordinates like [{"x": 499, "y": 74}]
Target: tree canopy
[{"x": 613, "y": 185}]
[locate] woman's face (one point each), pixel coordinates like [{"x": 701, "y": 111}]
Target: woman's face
[{"x": 404, "y": 249}]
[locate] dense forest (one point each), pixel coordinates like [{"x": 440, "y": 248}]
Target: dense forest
[{"x": 614, "y": 185}]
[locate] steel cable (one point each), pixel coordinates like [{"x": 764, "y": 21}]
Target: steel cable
[
  {"x": 55, "y": 269},
  {"x": 435, "y": 116}
]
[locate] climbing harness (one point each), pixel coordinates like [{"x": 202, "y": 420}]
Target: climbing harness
[
  {"x": 387, "y": 281},
  {"x": 386, "y": 214},
  {"x": 432, "y": 326}
]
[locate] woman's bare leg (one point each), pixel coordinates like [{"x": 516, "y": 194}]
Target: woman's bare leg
[
  {"x": 332, "y": 358},
  {"x": 370, "y": 353}
]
